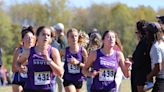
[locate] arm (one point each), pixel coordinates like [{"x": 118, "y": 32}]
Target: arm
[
  {"x": 16, "y": 66},
  {"x": 124, "y": 67},
  {"x": 15, "y": 57},
  {"x": 56, "y": 64},
  {"x": 24, "y": 56},
  {"x": 85, "y": 55},
  {"x": 156, "y": 58},
  {"x": 90, "y": 60},
  {"x": 157, "y": 68},
  {"x": 76, "y": 62}
]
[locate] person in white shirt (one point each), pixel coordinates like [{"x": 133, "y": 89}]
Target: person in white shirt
[{"x": 157, "y": 56}]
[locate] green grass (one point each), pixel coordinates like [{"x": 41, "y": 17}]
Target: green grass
[
  {"x": 125, "y": 87},
  {"x": 5, "y": 89}
]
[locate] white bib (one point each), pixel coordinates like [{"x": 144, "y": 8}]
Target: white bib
[
  {"x": 106, "y": 75},
  {"x": 72, "y": 68},
  {"x": 41, "y": 78},
  {"x": 23, "y": 75}
]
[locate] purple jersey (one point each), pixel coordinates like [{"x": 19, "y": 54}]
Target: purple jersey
[
  {"x": 73, "y": 72},
  {"x": 107, "y": 67},
  {"x": 40, "y": 74}
]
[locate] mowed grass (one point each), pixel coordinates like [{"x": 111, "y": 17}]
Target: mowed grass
[{"x": 125, "y": 87}]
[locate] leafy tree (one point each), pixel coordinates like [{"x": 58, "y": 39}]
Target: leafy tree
[{"x": 122, "y": 22}]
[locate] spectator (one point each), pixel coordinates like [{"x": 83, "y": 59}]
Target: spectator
[
  {"x": 157, "y": 56},
  {"x": 141, "y": 60}
]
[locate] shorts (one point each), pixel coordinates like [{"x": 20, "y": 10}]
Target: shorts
[
  {"x": 159, "y": 85},
  {"x": 17, "y": 80},
  {"x": 77, "y": 84}
]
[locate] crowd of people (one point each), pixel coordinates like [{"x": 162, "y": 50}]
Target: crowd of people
[{"x": 48, "y": 58}]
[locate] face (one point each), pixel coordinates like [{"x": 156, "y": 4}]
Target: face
[
  {"x": 44, "y": 36},
  {"x": 138, "y": 34},
  {"x": 110, "y": 39},
  {"x": 73, "y": 37},
  {"x": 160, "y": 35},
  {"x": 29, "y": 39}
]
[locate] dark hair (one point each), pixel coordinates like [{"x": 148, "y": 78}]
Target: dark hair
[
  {"x": 25, "y": 30},
  {"x": 140, "y": 25},
  {"x": 153, "y": 27},
  {"x": 41, "y": 29},
  {"x": 94, "y": 30},
  {"x": 160, "y": 19},
  {"x": 103, "y": 36}
]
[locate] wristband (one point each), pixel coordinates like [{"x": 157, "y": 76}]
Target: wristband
[{"x": 130, "y": 68}]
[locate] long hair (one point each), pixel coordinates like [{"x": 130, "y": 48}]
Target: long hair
[
  {"x": 83, "y": 39},
  {"x": 95, "y": 42}
]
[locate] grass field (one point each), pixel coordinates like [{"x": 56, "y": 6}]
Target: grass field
[{"x": 125, "y": 87}]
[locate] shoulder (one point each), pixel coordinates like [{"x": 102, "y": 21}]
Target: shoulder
[
  {"x": 119, "y": 54},
  {"x": 93, "y": 53},
  {"x": 84, "y": 51},
  {"x": 54, "y": 50}
]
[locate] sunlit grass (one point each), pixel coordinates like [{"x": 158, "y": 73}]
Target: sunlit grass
[{"x": 125, "y": 87}]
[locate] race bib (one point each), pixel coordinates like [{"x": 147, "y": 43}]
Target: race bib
[
  {"x": 72, "y": 68},
  {"x": 41, "y": 78},
  {"x": 23, "y": 75},
  {"x": 106, "y": 75}
]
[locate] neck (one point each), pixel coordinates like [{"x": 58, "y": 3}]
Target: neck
[
  {"x": 74, "y": 47},
  {"x": 26, "y": 46},
  {"x": 107, "y": 50},
  {"x": 42, "y": 47}
]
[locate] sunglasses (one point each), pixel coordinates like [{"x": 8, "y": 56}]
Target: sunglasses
[{"x": 136, "y": 32}]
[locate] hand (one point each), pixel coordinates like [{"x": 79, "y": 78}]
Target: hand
[
  {"x": 94, "y": 73},
  {"x": 128, "y": 63},
  {"x": 46, "y": 55},
  {"x": 148, "y": 77},
  {"x": 74, "y": 60}
]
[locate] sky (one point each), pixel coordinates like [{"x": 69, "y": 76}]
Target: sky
[{"x": 155, "y": 4}]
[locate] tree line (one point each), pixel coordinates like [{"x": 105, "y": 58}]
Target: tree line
[{"x": 117, "y": 16}]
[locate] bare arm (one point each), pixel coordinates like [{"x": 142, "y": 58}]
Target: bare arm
[
  {"x": 14, "y": 63},
  {"x": 124, "y": 67},
  {"x": 157, "y": 68},
  {"x": 24, "y": 56},
  {"x": 90, "y": 60},
  {"x": 56, "y": 65},
  {"x": 85, "y": 55}
]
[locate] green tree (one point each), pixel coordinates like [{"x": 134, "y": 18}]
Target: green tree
[{"x": 123, "y": 23}]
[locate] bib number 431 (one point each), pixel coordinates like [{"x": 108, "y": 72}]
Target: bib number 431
[{"x": 41, "y": 78}]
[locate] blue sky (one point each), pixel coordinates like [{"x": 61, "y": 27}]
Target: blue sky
[{"x": 156, "y": 4}]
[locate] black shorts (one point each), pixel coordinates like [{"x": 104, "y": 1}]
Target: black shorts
[
  {"x": 77, "y": 84},
  {"x": 159, "y": 85},
  {"x": 18, "y": 83}
]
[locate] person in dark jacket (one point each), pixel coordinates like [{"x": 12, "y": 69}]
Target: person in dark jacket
[{"x": 141, "y": 60}]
